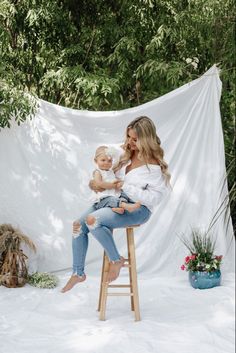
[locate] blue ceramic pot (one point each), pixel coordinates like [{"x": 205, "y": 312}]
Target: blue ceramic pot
[{"x": 204, "y": 280}]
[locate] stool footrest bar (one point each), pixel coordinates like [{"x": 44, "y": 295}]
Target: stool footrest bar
[
  {"x": 120, "y": 294},
  {"x": 119, "y": 286}
]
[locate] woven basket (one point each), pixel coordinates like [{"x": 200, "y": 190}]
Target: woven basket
[{"x": 14, "y": 270}]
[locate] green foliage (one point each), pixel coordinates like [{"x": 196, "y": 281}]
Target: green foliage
[
  {"x": 15, "y": 104},
  {"x": 200, "y": 243},
  {"x": 201, "y": 247},
  {"x": 90, "y": 54},
  {"x": 105, "y": 55},
  {"x": 43, "y": 280}
]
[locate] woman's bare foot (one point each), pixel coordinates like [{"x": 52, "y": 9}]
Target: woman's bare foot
[
  {"x": 131, "y": 207},
  {"x": 118, "y": 210},
  {"x": 72, "y": 282},
  {"x": 114, "y": 270}
]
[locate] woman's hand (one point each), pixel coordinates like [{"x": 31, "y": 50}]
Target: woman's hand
[
  {"x": 94, "y": 186},
  {"x": 118, "y": 185}
]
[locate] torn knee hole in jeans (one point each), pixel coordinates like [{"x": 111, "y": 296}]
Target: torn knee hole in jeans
[
  {"x": 92, "y": 222},
  {"x": 78, "y": 231}
]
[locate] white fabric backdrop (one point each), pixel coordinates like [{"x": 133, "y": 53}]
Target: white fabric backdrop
[{"x": 46, "y": 164}]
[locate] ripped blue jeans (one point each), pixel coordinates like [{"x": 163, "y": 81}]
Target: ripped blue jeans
[
  {"x": 105, "y": 220},
  {"x": 112, "y": 201}
]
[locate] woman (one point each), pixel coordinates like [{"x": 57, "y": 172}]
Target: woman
[{"x": 146, "y": 180}]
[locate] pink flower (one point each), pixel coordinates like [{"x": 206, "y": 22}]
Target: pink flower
[
  {"x": 187, "y": 259},
  {"x": 193, "y": 257},
  {"x": 219, "y": 258},
  {"x": 182, "y": 267}
]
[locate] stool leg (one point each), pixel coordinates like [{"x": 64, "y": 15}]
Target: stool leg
[
  {"x": 130, "y": 234},
  {"x": 130, "y": 272},
  {"x": 104, "y": 289},
  {"x": 102, "y": 278}
]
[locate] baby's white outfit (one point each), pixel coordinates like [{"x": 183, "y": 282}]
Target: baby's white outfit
[{"x": 108, "y": 176}]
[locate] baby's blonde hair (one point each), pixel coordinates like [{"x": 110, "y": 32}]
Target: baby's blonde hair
[
  {"x": 101, "y": 150},
  {"x": 148, "y": 143}
]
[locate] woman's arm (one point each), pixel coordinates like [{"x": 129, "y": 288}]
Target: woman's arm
[
  {"x": 150, "y": 196},
  {"x": 93, "y": 186},
  {"x": 103, "y": 184}
]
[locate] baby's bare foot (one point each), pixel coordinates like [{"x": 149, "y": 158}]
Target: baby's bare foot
[
  {"x": 131, "y": 207},
  {"x": 118, "y": 210},
  {"x": 114, "y": 270},
  {"x": 72, "y": 282}
]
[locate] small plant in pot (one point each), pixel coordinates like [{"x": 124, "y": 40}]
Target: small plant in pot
[
  {"x": 201, "y": 263},
  {"x": 13, "y": 268}
]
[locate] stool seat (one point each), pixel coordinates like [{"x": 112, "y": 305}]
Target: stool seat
[{"x": 130, "y": 263}]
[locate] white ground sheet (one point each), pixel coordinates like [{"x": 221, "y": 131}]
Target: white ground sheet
[
  {"x": 45, "y": 166},
  {"x": 175, "y": 318}
]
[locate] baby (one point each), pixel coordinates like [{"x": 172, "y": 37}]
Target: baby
[{"x": 106, "y": 179}]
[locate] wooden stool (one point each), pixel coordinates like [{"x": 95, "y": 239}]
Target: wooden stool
[{"x": 130, "y": 262}]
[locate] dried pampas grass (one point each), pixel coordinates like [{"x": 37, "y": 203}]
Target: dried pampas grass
[
  {"x": 13, "y": 269},
  {"x": 11, "y": 239}
]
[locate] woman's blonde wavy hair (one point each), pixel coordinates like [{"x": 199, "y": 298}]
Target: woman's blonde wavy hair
[{"x": 148, "y": 143}]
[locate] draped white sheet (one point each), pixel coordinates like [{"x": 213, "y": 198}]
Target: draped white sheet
[{"x": 46, "y": 163}]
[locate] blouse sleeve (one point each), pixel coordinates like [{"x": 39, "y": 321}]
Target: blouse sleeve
[{"x": 150, "y": 196}]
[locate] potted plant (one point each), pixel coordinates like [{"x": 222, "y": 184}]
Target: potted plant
[
  {"x": 13, "y": 268},
  {"x": 201, "y": 263}
]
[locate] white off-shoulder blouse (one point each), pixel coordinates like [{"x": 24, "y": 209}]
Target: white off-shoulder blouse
[{"x": 145, "y": 184}]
